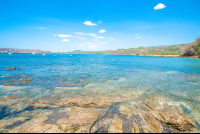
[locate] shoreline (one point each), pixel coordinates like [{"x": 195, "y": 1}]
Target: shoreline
[{"x": 196, "y": 57}]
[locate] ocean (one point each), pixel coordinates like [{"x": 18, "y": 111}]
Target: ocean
[{"x": 174, "y": 80}]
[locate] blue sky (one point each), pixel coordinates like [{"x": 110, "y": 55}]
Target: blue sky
[{"x": 91, "y": 25}]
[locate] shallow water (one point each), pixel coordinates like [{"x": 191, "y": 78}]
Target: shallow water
[{"x": 175, "y": 80}]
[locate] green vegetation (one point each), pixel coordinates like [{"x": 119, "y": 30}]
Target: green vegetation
[
  {"x": 160, "y": 50},
  {"x": 192, "y": 48}
]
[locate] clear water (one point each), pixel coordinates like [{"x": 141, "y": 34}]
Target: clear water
[{"x": 177, "y": 79}]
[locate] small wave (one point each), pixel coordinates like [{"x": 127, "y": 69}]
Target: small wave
[
  {"x": 172, "y": 72},
  {"x": 175, "y": 104}
]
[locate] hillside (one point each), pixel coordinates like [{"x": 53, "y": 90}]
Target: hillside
[
  {"x": 155, "y": 50},
  {"x": 192, "y": 49},
  {"x": 15, "y": 50},
  {"x": 159, "y": 50}
]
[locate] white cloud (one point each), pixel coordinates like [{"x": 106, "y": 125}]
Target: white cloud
[
  {"x": 62, "y": 35},
  {"x": 65, "y": 40},
  {"x": 96, "y": 40},
  {"x": 159, "y": 6},
  {"x": 139, "y": 37},
  {"x": 102, "y": 31},
  {"x": 90, "y": 34},
  {"x": 80, "y": 45},
  {"x": 99, "y": 21},
  {"x": 55, "y": 35},
  {"x": 89, "y": 23},
  {"x": 41, "y": 28},
  {"x": 80, "y": 37},
  {"x": 136, "y": 34}
]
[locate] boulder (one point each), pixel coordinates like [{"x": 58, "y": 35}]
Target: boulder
[{"x": 172, "y": 115}]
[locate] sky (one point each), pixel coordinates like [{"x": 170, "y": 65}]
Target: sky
[{"x": 97, "y": 25}]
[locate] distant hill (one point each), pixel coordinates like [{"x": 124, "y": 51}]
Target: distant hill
[
  {"x": 154, "y": 50},
  {"x": 15, "y": 50}
]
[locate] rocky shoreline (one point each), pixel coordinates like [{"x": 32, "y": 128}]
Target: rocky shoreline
[{"x": 96, "y": 113}]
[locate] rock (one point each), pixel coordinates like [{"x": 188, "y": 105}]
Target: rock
[
  {"x": 172, "y": 115},
  {"x": 82, "y": 76},
  {"x": 179, "y": 121},
  {"x": 5, "y": 98},
  {"x": 19, "y": 69},
  {"x": 153, "y": 124},
  {"x": 35, "y": 125},
  {"x": 135, "y": 128},
  {"x": 14, "y": 82},
  {"x": 41, "y": 104},
  {"x": 79, "y": 119},
  {"x": 116, "y": 125},
  {"x": 87, "y": 101},
  {"x": 54, "y": 129},
  {"x": 25, "y": 81},
  {"x": 53, "y": 118},
  {"x": 11, "y": 68}
]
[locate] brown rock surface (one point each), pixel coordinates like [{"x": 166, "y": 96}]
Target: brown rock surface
[
  {"x": 5, "y": 98},
  {"x": 88, "y": 101},
  {"x": 135, "y": 128},
  {"x": 79, "y": 119},
  {"x": 116, "y": 125},
  {"x": 34, "y": 125},
  {"x": 41, "y": 103},
  {"x": 153, "y": 124},
  {"x": 172, "y": 115}
]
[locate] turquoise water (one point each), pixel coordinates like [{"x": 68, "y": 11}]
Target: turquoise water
[{"x": 176, "y": 79}]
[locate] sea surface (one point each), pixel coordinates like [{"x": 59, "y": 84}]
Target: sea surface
[{"x": 173, "y": 78}]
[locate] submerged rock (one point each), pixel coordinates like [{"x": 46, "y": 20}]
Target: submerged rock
[
  {"x": 15, "y": 82},
  {"x": 11, "y": 68},
  {"x": 82, "y": 76},
  {"x": 87, "y": 101},
  {"x": 53, "y": 118},
  {"x": 5, "y": 98},
  {"x": 41, "y": 104}
]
